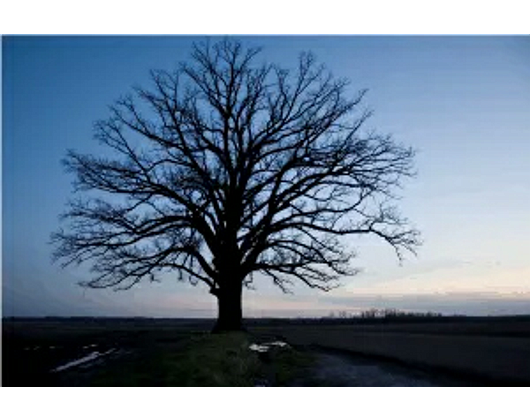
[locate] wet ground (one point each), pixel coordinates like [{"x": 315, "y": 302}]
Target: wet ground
[
  {"x": 342, "y": 369},
  {"x": 328, "y": 368},
  {"x": 91, "y": 352}
]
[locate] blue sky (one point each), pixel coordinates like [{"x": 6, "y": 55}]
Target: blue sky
[{"x": 462, "y": 102}]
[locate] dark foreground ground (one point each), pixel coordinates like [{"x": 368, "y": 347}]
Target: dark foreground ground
[
  {"x": 485, "y": 350},
  {"x": 172, "y": 352}
]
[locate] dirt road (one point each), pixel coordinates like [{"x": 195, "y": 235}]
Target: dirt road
[
  {"x": 332, "y": 368},
  {"x": 494, "y": 359}
]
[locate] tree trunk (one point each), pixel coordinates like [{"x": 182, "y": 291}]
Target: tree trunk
[
  {"x": 230, "y": 314},
  {"x": 229, "y": 279}
]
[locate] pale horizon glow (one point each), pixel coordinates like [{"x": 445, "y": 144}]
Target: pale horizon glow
[{"x": 462, "y": 102}]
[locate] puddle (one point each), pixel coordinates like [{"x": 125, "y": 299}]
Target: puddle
[
  {"x": 38, "y": 347},
  {"x": 90, "y": 346},
  {"x": 259, "y": 348},
  {"x": 88, "y": 358},
  {"x": 278, "y": 344},
  {"x": 265, "y": 347}
]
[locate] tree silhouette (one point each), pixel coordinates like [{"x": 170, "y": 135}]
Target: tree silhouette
[{"x": 224, "y": 169}]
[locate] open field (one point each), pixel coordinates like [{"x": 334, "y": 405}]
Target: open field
[
  {"x": 502, "y": 326},
  {"x": 138, "y": 352},
  {"x": 32, "y": 348},
  {"x": 173, "y": 352},
  {"x": 489, "y": 350}
]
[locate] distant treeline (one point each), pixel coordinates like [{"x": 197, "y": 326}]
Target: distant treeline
[
  {"x": 371, "y": 316},
  {"x": 414, "y": 318},
  {"x": 385, "y": 313}
]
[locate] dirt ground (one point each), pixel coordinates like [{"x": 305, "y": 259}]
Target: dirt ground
[
  {"x": 491, "y": 360},
  {"x": 335, "y": 368},
  {"x": 326, "y": 355}
]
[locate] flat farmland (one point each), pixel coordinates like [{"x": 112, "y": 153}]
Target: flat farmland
[
  {"x": 495, "y": 350},
  {"x": 150, "y": 352}
]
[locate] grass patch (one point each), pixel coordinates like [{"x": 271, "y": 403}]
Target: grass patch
[
  {"x": 203, "y": 360},
  {"x": 285, "y": 366},
  {"x": 214, "y": 360}
]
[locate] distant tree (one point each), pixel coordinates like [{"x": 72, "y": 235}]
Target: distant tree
[
  {"x": 224, "y": 169},
  {"x": 371, "y": 313}
]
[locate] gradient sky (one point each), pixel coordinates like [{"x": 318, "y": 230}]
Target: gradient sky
[{"x": 462, "y": 102}]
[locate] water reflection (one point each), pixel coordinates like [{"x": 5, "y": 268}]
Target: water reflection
[
  {"x": 265, "y": 347},
  {"x": 88, "y": 358}
]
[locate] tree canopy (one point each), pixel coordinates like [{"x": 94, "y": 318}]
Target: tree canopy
[{"x": 225, "y": 168}]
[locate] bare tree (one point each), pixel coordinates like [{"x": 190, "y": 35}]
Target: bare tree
[{"x": 224, "y": 169}]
